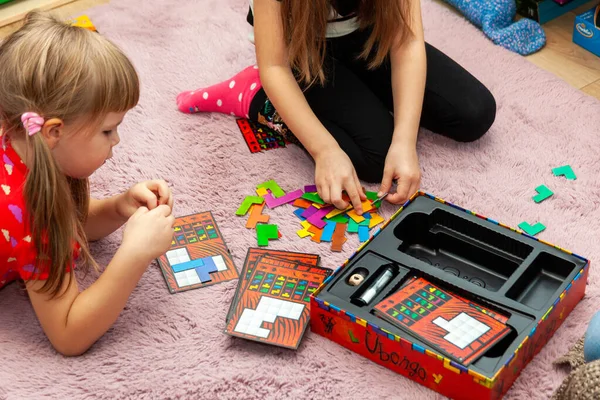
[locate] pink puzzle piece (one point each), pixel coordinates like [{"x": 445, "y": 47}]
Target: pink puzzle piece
[{"x": 288, "y": 198}]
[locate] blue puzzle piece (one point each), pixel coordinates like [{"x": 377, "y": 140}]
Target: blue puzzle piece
[
  {"x": 367, "y": 215},
  {"x": 363, "y": 233},
  {"x": 328, "y": 232},
  {"x": 193, "y": 264},
  {"x": 299, "y": 212},
  {"x": 205, "y": 270}
]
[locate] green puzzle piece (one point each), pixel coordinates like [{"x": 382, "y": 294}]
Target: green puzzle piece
[
  {"x": 266, "y": 232},
  {"x": 352, "y": 226},
  {"x": 565, "y": 170},
  {"x": 271, "y": 185},
  {"x": 531, "y": 229},
  {"x": 247, "y": 203},
  {"x": 371, "y": 195},
  {"x": 340, "y": 218},
  {"x": 313, "y": 197},
  {"x": 543, "y": 193}
]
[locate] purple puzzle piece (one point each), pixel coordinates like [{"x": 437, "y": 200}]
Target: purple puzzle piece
[
  {"x": 309, "y": 211},
  {"x": 317, "y": 218},
  {"x": 288, "y": 198},
  {"x": 310, "y": 188}
]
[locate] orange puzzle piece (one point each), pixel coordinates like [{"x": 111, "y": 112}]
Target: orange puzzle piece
[
  {"x": 302, "y": 203},
  {"x": 256, "y": 216},
  {"x": 339, "y": 237},
  {"x": 317, "y": 232},
  {"x": 357, "y": 218}
]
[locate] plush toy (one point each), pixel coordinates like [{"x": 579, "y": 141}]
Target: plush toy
[
  {"x": 591, "y": 349},
  {"x": 496, "y": 18},
  {"x": 583, "y": 382}
]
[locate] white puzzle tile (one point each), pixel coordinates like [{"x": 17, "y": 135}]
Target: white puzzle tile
[
  {"x": 178, "y": 256},
  {"x": 267, "y": 310},
  {"x": 462, "y": 329},
  {"x": 220, "y": 263},
  {"x": 187, "y": 278}
]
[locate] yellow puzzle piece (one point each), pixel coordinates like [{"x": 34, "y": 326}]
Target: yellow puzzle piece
[{"x": 83, "y": 21}]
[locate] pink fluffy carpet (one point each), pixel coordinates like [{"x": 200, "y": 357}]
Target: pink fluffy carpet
[{"x": 173, "y": 346}]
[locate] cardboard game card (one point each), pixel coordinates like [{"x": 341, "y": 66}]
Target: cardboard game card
[
  {"x": 443, "y": 320},
  {"x": 494, "y": 314},
  {"x": 301, "y": 261},
  {"x": 251, "y": 259},
  {"x": 274, "y": 307},
  {"x": 259, "y": 137},
  {"x": 198, "y": 256}
]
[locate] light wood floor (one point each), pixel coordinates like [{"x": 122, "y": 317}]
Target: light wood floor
[{"x": 560, "y": 56}]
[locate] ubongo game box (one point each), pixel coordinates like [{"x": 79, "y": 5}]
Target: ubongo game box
[{"x": 455, "y": 301}]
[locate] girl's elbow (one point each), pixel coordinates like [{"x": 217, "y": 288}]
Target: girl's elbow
[{"x": 69, "y": 348}]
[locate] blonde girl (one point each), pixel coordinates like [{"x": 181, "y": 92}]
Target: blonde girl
[{"x": 63, "y": 93}]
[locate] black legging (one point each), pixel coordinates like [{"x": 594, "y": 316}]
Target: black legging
[{"x": 355, "y": 103}]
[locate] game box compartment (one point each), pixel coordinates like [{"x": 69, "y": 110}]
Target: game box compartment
[{"x": 534, "y": 283}]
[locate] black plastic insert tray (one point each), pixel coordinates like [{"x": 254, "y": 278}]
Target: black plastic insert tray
[{"x": 464, "y": 254}]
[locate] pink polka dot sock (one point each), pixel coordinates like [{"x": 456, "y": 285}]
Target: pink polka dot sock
[{"x": 232, "y": 96}]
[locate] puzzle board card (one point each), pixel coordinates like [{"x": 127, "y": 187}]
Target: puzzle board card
[
  {"x": 259, "y": 137},
  {"x": 498, "y": 316},
  {"x": 442, "y": 320},
  {"x": 252, "y": 257},
  {"x": 294, "y": 262},
  {"x": 198, "y": 256},
  {"x": 274, "y": 307}
]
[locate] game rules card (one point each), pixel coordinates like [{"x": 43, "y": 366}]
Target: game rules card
[
  {"x": 444, "y": 321},
  {"x": 198, "y": 256},
  {"x": 274, "y": 307}
]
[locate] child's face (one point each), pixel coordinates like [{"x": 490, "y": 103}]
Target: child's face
[{"x": 82, "y": 153}]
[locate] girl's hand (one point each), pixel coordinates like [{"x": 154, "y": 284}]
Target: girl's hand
[
  {"x": 149, "y": 194},
  {"x": 334, "y": 172},
  {"x": 402, "y": 166},
  {"x": 148, "y": 233}
]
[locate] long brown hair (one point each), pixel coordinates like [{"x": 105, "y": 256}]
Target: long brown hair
[
  {"x": 305, "y": 24},
  {"x": 76, "y": 75}
]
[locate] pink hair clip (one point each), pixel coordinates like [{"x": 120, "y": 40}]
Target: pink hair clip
[{"x": 32, "y": 122}]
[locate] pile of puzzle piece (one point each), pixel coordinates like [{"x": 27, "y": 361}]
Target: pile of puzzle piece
[
  {"x": 322, "y": 222},
  {"x": 543, "y": 193}
]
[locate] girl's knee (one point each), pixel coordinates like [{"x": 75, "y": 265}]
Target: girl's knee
[
  {"x": 478, "y": 117},
  {"x": 482, "y": 116}
]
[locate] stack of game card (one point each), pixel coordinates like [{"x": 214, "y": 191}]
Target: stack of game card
[
  {"x": 457, "y": 328},
  {"x": 272, "y": 300},
  {"x": 198, "y": 256}
]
